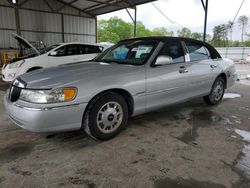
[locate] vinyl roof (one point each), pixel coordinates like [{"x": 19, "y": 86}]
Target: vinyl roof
[{"x": 98, "y": 7}]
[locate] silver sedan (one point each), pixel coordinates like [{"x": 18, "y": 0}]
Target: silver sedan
[{"x": 131, "y": 78}]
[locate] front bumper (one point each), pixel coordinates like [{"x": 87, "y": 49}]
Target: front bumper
[{"x": 53, "y": 119}]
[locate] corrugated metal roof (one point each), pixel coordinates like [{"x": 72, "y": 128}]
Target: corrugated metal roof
[{"x": 97, "y": 7}]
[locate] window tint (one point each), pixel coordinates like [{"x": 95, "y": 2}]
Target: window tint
[
  {"x": 67, "y": 50},
  {"x": 71, "y": 49},
  {"x": 197, "y": 52},
  {"x": 174, "y": 50},
  {"x": 61, "y": 51},
  {"x": 94, "y": 50},
  {"x": 88, "y": 49}
]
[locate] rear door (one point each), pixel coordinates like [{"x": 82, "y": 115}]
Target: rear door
[
  {"x": 200, "y": 68},
  {"x": 168, "y": 83}
]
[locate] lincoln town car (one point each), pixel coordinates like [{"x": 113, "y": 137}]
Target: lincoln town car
[{"x": 133, "y": 77}]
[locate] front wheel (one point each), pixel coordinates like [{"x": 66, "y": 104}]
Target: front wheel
[
  {"x": 108, "y": 116},
  {"x": 216, "y": 93}
]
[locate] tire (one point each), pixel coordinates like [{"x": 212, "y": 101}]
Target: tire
[
  {"x": 108, "y": 116},
  {"x": 216, "y": 93}
]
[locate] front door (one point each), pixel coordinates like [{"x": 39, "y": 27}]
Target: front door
[{"x": 168, "y": 83}]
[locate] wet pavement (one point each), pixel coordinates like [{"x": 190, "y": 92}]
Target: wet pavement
[{"x": 189, "y": 145}]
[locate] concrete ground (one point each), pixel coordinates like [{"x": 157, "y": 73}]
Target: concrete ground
[{"x": 189, "y": 145}]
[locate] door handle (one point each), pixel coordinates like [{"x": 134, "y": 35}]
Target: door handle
[
  {"x": 183, "y": 69},
  {"x": 213, "y": 66}
]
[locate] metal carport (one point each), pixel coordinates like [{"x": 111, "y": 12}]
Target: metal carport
[{"x": 54, "y": 21}]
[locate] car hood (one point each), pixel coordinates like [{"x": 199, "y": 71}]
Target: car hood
[
  {"x": 23, "y": 42},
  {"x": 73, "y": 74}
]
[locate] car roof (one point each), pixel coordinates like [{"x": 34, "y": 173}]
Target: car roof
[
  {"x": 213, "y": 51},
  {"x": 163, "y": 38},
  {"x": 83, "y": 43}
]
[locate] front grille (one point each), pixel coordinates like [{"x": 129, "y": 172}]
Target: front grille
[{"x": 14, "y": 93}]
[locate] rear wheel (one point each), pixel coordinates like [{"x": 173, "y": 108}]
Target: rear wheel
[
  {"x": 108, "y": 116},
  {"x": 216, "y": 93}
]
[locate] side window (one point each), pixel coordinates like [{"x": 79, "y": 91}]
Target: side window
[
  {"x": 88, "y": 49},
  {"x": 197, "y": 51},
  {"x": 82, "y": 49},
  {"x": 61, "y": 51},
  {"x": 71, "y": 50},
  {"x": 94, "y": 50},
  {"x": 174, "y": 50}
]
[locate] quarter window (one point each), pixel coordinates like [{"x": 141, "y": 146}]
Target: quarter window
[
  {"x": 174, "y": 50},
  {"x": 197, "y": 52}
]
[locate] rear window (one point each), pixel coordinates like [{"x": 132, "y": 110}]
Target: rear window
[{"x": 197, "y": 52}]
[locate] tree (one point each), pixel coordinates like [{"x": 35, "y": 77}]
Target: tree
[
  {"x": 220, "y": 35},
  {"x": 114, "y": 29},
  {"x": 162, "y": 31},
  {"x": 184, "y": 32},
  {"x": 107, "y": 36},
  {"x": 197, "y": 36},
  {"x": 142, "y": 31},
  {"x": 230, "y": 29},
  {"x": 243, "y": 20}
]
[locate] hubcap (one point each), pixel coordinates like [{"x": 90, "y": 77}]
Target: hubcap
[
  {"x": 109, "y": 117},
  {"x": 218, "y": 91}
]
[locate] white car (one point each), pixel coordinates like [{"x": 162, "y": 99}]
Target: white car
[{"x": 55, "y": 55}]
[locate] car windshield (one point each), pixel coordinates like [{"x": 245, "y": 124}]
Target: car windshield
[
  {"x": 130, "y": 52},
  {"x": 45, "y": 50}
]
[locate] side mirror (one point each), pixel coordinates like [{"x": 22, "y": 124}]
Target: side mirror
[
  {"x": 163, "y": 60},
  {"x": 54, "y": 53}
]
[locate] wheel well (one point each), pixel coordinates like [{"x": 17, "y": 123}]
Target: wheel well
[
  {"x": 127, "y": 96},
  {"x": 33, "y": 68},
  {"x": 224, "y": 76}
]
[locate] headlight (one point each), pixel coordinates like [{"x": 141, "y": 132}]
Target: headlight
[
  {"x": 16, "y": 64},
  {"x": 48, "y": 96}
]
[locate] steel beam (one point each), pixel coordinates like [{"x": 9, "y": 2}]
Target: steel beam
[
  {"x": 134, "y": 20},
  {"x": 70, "y": 5},
  {"x": 16, "y": 8},
  {"x": 205, "y": 7}
]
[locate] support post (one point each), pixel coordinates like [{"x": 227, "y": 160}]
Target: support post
[
  {"x": 96, "y": 30},
  {"x": 16, "y": 8},
  {"x": 205, "y": 6},
  {"x": 134, "y": 20},
  {"x": 135, "y": 23},
  {"x": 62, "y": 20}
]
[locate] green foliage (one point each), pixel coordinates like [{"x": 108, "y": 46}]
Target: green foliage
[
  {"x": 105, "y": 35},
  {"x": 162, "y": 31},
  {"x": 184, "y": 32},
  {"x": 142, "y": 31},
  {"x": 116, "y": 29},
  {"x": 197, "y": 36}
]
